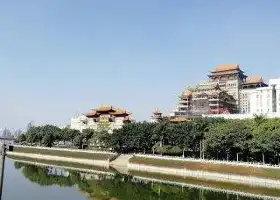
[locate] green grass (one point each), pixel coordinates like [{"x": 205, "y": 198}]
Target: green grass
[
  {"x": 62, "y": 153},
  {"x": 61, "y": 163},
  {"x": 211, "y": 184},
  {"x": 218, "y": 168}
]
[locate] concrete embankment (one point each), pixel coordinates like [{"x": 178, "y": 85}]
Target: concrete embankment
[
  {"x": 121, "y": 163},
  {"x": 97, "y": 158},
  {"x": 168, "y": 167},
  {"x": 104, "y": 163},
  {"x": 65, "y": 166}
]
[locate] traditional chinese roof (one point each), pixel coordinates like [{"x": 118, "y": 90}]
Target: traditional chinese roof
[
  {"x": 92, "y": 113},
  {"x": 157, "y": 111},
  {"x": 120, "y": 111},
  {"x": 105, "y": 108},
  {"x": 178, "y": 119},
  {"x": 230, "y": 67},
  {"x": 187, "y": 92},
  {"x": 252, "y": 80},
  {"x": 127, "y": 119}
]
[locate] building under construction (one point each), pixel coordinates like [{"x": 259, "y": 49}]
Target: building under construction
[{"x": 223, "y": 93}]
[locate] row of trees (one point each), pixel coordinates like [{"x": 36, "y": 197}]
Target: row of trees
[
  {"x": 247, "y": 140},
  {"x": 213, "y": 138},
  {"x": 49, "y": 135}
]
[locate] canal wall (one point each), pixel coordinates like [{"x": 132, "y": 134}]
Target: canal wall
[
  {"x": 64, "y": 167},
  {"x": 152, "y": 166},
  {"x": 248, "y": 180},
  {"x": 102, "y": 163},
  {"x": 87, "y": 157}
]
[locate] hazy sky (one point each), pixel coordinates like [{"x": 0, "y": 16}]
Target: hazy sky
[{"x": 62, "y": 57}]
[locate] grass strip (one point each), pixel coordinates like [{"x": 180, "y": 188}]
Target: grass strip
[
  {"x": 211, "y": 184},
  {"x": 62, "y": 153},
  {"x": 218, "y": 168}
]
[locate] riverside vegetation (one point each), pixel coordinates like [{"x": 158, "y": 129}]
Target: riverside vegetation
[{"x": 250, "y": 140}]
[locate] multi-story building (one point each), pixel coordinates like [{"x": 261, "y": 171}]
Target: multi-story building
[
  {"x": 104, "y": 117},
  {"x": 230, "y": 78},
  {"x": 205, "y": 98},
  {"x": 266, "y": 100},
  {"x": 247, "y": 89},
  {"x": 156, "y": 117},
  {"x": 234, "y": 89}
]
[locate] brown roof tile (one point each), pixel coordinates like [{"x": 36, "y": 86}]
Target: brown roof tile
[
  {"x": 227, "y": 68},
  {"x": 254, "y": 79}
]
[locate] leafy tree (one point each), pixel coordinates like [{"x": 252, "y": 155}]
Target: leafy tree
[
  {"x": 88, "y": 134},
  {"x": 78, "y": 141},
  {"x": 21, "y": 138},
  {"x": 228, "y": 138}
]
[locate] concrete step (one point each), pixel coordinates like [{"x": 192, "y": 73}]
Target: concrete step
[{"x": 121, "y": 161}]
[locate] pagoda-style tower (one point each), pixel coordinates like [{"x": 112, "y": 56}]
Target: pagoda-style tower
[
  {"x": 230, "y": 78},
  {"x": 156, "y": 117}
]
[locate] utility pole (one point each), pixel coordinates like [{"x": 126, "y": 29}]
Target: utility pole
[
  {"x": 2, "y": 160},
  {"x": 3, "y": 155}
]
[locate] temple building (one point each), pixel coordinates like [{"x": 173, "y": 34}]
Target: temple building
[
  {"x": 205, "y": 98},
  {"x": 105, "y": 117},
  {"x": 228, "y": 90},
  {"x": 156, "y": 117},
  {"x": 230, "y": 78}
]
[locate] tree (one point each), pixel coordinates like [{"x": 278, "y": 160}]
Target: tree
[
  {"x": 21, "y": 138},
  {"x": 48, "y": 139},
  {"x": 228, "y": 138},
  {"x": 32, "y": 135},
  {"x": 78, "y": 141},
  {"x": 88, "y": 133},
  {"x": 29, "y": 126}
]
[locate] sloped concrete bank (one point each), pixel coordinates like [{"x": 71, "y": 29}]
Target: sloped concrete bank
[
  {"x": 103, "y": 163},
  {"x": 95, "y": 158},
  {"x": 184, "y": 172},
  {"x": 63, "y": 166}
]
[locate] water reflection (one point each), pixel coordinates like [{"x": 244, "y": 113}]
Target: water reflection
[{"x": 117, "y": 187}]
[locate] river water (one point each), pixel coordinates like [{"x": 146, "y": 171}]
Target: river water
[{"x": 26, "y": 181}]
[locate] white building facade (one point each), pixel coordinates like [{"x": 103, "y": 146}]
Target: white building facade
[
  {"x": 103, "y": 118},
  {"x": 266, "y": 100},
  {"x": 259, "y": 101}
]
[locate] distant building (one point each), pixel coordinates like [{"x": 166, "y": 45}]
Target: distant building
[
  {"x": 156, "y": 117},
  {"x": 228, "y": 91},
  {"x": 105, "y": 117},
  {"x": 230, "y": 78},
  {"x": 248, "y": 87},
  {"x": 266, "y": 99},
  {"x": 205, "y": 98}
]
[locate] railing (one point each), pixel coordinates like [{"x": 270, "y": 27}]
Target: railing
[{"x": 235, "y": 163}]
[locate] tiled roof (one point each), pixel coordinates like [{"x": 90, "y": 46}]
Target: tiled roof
[
  {"x": 104, "y": 108},
  {"x": 252, "y": 79},
  {"x": 92, "y": 113},
  {"x": 120, "y": 111},
  {"x": 227, "y": 68}
]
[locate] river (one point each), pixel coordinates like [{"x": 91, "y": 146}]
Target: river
[{"x": 27, "y": 181}]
